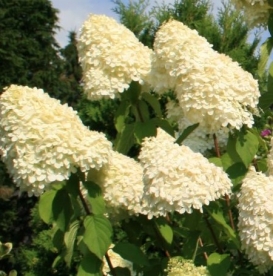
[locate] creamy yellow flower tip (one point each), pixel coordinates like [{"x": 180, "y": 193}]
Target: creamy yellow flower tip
[
  {"x": 256, "y": 12},
  {"x": 121, "y": 184},
  {"x": 111, "y": 57},
  {"x": 43, "y": 141},
  {"x": 256, "y": 219},
  {"x": 177, "y": 266},
  {"x": 176, "y": 178},
  {"x": 211, "y": 89}
]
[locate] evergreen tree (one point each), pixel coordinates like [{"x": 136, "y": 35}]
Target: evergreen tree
[
  {"x": 72, "y": 72},
  {"x": 136, "y": 18},
  {"x": 29, "y": 53}
]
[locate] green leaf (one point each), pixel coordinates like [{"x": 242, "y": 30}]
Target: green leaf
[
  {"x": 126, "y": 139},
  {"x": 13, "y": 273},
  {"x": 153, "y": 102},
  {"x": 121, "y": 115},
  {"x": 265, "y": 51},
  {"x": 143, "y": 111},
  {"x": 62, "y": 209},
  {"x": 45, "y": 206},
  {"x": 262, "y": 165},
  {"x": 234, "y": 157},
  {"x": 133, "y": 92},
  {"x": 90, "y": 266},
  {"x": 56, "y": 261},
  {"x": 187, "y": 131},
  {"x": 236, "y": 172},
  {"x": 266, "y": 100},
  {"x": 217, "y": 215},
  {"x": 218, "y": 264},
  {"x": 97, "y": 235},
  {"x": 69, "y": 241},
  {"x": 146, "y": 129},
  {"x": 262, "y": 142},
  {"x": 95, "y": 198},
  {"x": 164, "y": 124},
  {"x": 247, "y": 146},
  {"x": 270, "y": 78},
  {"x": 72, "y": 185},
  {"x": 131, "y": 253},
  {"x": 216, "y": 161},
  {"x": 57, "y": 238},
  {"x": 165, "y": 230}
]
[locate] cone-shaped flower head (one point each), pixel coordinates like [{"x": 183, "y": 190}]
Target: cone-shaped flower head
[
  {"x": 43, "y": 141},
  {"x": 256, "y": 12},
  {"x": 111, "y": 57},
  {"x": 121, "y": 184},
  {"x": 211, "y": 89},
  {"x": 178, "y": 179},
  {"x": 178, "y": 266},
  {"x": 256, "y": 219}
]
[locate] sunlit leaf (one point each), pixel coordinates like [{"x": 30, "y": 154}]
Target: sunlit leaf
[
  {"x": 218, "y": 264},
  {"x": 45, "y": 206},
  {"x": 265, "y": 51},
  {"x": 69, "y": 241},
  {"x": 165, "y": 230},
  {"x": 97, "y": 235}
]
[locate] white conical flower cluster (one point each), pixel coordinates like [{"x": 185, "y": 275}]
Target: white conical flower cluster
[
  {"x": 178, "y": 179},
  {"x": 256, "y": 219},
  {"x": 256, "y": 12},
  {"x": 178, "y": 266},
  {"x": 43, "y": 141},
  {"x": 211, "y": 89},
  {"x": 121, "y": 184},
  {"x": 111, "y": 57}
]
